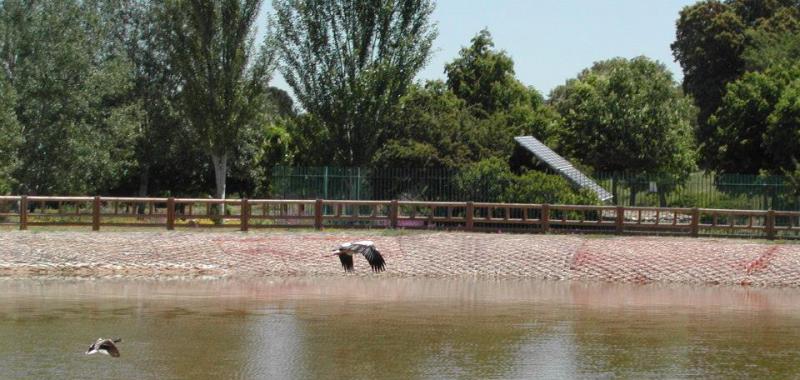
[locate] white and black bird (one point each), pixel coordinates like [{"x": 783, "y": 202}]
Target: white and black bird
[
  {"x": 366, "y": 248},
  {"x": 104, "y": 346}
]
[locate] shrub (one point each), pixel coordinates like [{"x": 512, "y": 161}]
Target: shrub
[
  {"x": 539, "y": 187},
  {"x": 484, "y": 180},
  {"x": 492, "y": 180}
]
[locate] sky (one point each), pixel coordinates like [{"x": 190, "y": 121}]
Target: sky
[{"x": 550, "y": 40}]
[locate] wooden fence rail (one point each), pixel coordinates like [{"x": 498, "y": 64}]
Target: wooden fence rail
[{"x": 246, "y": 214}]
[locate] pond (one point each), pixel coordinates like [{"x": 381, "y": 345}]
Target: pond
[{"x": 394, "y": 328}]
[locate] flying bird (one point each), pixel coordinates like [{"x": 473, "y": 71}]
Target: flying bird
[
  {"x": 366, "y": 248},
  {"x": 104, "y": 346}
]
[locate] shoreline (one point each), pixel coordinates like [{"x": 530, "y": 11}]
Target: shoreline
[{"x": 617, "y": 259}]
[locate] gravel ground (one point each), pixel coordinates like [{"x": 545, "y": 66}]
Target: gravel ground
[{"x": 434, "y": 254}]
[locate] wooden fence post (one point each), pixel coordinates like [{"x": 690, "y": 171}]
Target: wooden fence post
[
  {"x": 545, "y": 218},
  {"x": 620, "y": 221},
  {"x": 470, "y": 216},
  {"x": 96, "y": 214},
  {"x": 244, "y": 215},
  {"x": 394, "y": 211},
  {"x": 770, "y": 224},
  {"x": 695, "y": 227},
  {"x": 318, "y": 214},
  {"x": 23, "y": 213},
  {"x": 170, "y": 214}
]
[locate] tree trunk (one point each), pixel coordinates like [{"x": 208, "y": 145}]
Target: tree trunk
[
  {"x": 614, "y": 181},
  {"x": 633, "y": 195},
  {"x": 220, "y": 173},
  {"x": 144, "y": 181},
  {"x": 662, "y": 197}
]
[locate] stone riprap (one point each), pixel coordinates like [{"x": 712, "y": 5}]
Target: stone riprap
[{"x": 436, "y": 254}]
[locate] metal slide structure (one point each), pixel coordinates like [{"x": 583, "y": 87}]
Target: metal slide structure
[{"x": 562, "y": 166}]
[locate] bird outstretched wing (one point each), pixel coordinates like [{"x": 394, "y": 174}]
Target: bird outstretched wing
[
  {"x": 347, "y": 262},
  {"x": 110, "y": 347},
  {"x": 105, "y": 346},
  {"x": 367, "y": 248}
]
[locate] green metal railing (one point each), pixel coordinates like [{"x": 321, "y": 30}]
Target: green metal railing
[
  {"x": 365, "y": 184},
  {"x": 729, "y": 191},
  {"x": 726, "y": 191}
]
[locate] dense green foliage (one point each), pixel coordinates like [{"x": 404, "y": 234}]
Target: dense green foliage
[
  {"x": 71, "y": 97},
  {"x": 718, "y": 43},
  {"x": 223, "y": 79},
  {"x": 173, "y": 98},
  {"x": 742, "y": 120},
  {"x": 163, "y": 145},
  {"x": 349, "y": 62},
  {"x": 431, "y": 130},
  {"x": 627, "y": 116},
  {"x": 491, "y": 179},
  {"x": 484, "y": 79},
  {"x": 10, "y": 135},
  {"x": 472, "y": 116},
  {"x": 119, "y": 101}
]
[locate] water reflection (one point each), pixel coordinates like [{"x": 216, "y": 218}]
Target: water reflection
[{"x": 394, "y": 328}]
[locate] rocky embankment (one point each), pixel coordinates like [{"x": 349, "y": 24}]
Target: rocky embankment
[{"x": 631, "y": 259}]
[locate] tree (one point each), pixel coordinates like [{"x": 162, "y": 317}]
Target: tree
[
  {"x": 472, "y": 117},
  {"x": 782, "y": 136},
  {"x": 10, "y": 134},
  {"x": 271, "y": 144},
  {"x": 484, "y": 78},
  {"x": 742, "y": 119},
  {"x": 628, "y": 116},
  {"x": 709, "y": 43},
  {"x": 223, "y": 80},
  {"x": 349, "y": 62},
  {"x": 712, "y": 38},
  {"x": 71, "y": 97},
  {"x": 164, "y": 143},
  {"x": 746, "y": 136},
  {"x": 266, "y": 144},
  {"x": 430, "y": 130},
  {"x": 310, "y": 141},
  {"x": 774, "y": 41}
]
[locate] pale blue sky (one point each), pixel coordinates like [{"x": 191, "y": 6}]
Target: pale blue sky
[{"x": 551, "y": 41}]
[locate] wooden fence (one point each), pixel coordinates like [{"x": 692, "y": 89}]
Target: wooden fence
[{"x": 245, "y": 214}]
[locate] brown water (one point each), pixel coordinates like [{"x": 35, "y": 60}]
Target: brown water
[{"x": 356, "y": 327}]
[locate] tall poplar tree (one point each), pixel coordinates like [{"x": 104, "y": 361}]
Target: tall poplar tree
[
  {"x": 349, "y": 62},
  {"x": 223, "y": 78}
]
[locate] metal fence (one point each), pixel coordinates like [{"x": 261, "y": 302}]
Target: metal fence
[
  {"x": 368, "y": 184},
  {"x": 724, "y": 191},
  {"x": 729, "y": 191}
]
